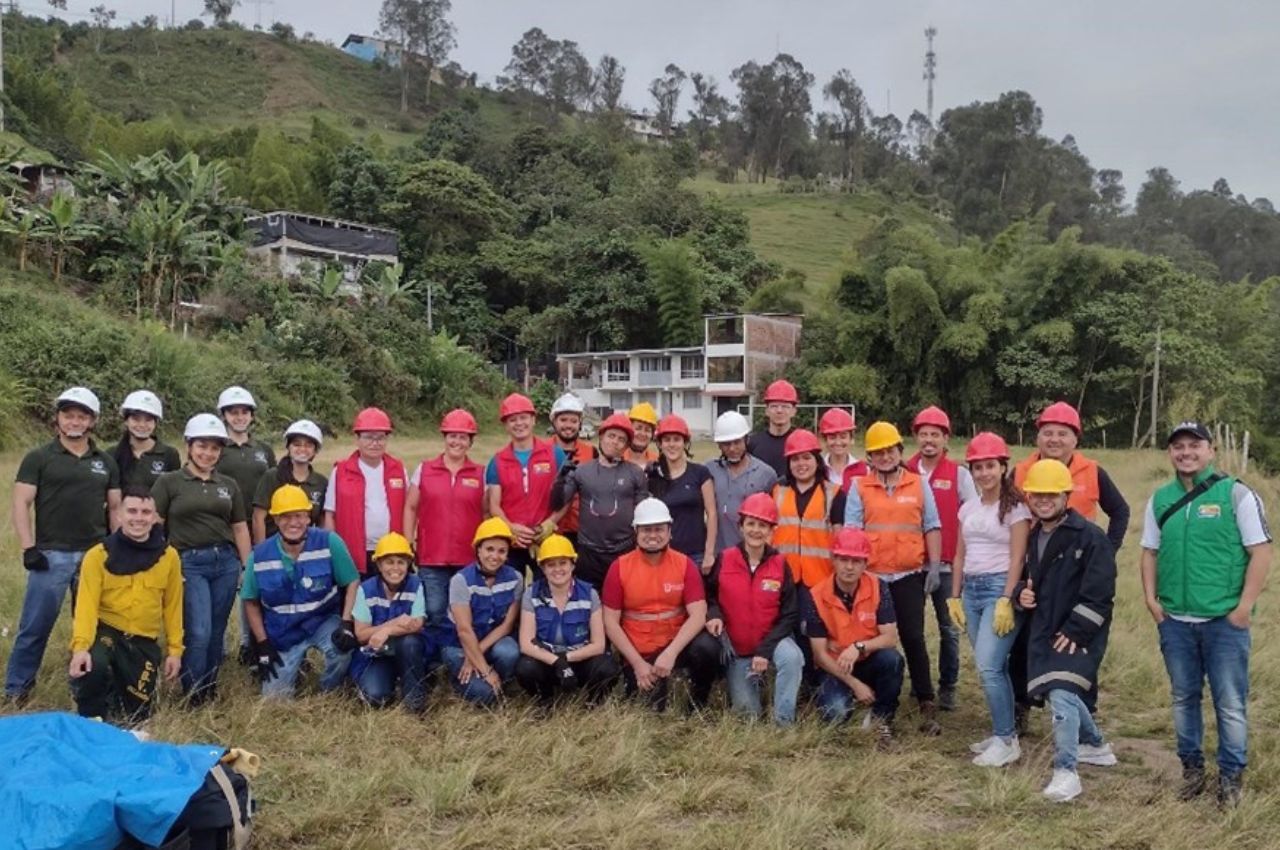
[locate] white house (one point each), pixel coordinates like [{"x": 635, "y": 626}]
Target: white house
[{"x": 287, "y": 240}]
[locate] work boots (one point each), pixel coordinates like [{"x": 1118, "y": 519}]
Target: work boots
[
  {"x": 1230, "y": 790},
  {"x": 1194, "y": 782},
  {"x": 929, "y": 718}
]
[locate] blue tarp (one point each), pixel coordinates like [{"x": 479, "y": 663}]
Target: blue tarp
[{"x": 70, "y": 783}]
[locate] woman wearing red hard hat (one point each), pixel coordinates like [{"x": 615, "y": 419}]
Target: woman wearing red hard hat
[
  {"x": 836, "y": 427},
  {"x": 366, "y": 493}
]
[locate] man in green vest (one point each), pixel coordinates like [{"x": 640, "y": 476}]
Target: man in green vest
[{"x": 1206, "y": 550}]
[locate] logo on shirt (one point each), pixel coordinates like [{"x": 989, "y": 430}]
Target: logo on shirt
[
  {"x": 1209, "y": 511},
  {"x": 157, "y": 466},
  {"x": 672, "y": 586},
  {"x": 260, "y": 457},
  {"x": 542, "y": 468},
  {"x": 906, "y": 500},
  {"x": 771, "y": 585},
  {"x": 943, "y": 484},
  {"x": 224, "y": 494},
  {"x": 395, "y": 483},
  {"x": 97, "y": 467}
]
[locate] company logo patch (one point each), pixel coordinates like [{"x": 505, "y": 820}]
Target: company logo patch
[
  {"x": 672, "y": 586},
  {"x": 224, "y": 494},
  {"x": 1209, "y": 511},
  {"x": 97, "y": 467},
  {"x": 542, "y": 468},
  {"x": 157, "y": 466},
  {"x": 906, "y": 500},
  {"x": 944, "y": 484},
  {"x": 770, "y": 585},
  {"x": 260, "y": 457},
  {"x": 395, "y": 483},
  {"x": 470, "y": 482}
]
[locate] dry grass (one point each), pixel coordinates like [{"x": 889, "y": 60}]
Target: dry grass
[{"x": 338, "y": 776}]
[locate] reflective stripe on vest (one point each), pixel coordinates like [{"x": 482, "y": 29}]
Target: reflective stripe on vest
[
  {"x": 805, "y": 541},
  {"x": 573, "y": 623},
  {"x": 652, "y": 598},
  {"x": 489, "y": 604},
  {"x": 383, "y": 609},
  {"x": 293, "y": 607},
  {"x": 894, "y": 522},
  {"x": 1084, "y": 476}
]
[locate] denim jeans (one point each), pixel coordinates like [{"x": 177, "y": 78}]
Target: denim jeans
[
  {"x": 209, "y": 578},
  {"x": 744, "y": 687},
  {"x": 407, "y": 665},
  {"x": 990, "y": 651},
  {"x": 948, "y": 635},
  {"x": 503, "y": 655},
  {"x": 1072, "y": 726},
  {"x": 435, "y": 590},
  {"x": 882, "y": 671},
  {"x": 41, "y": 606},
  {"x": 335, "y": 662},
  {"x": 1220, "y": 651}
]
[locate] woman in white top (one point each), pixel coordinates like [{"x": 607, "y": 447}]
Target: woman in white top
[
  {"x": 836, "y": 427},
  {"x": 993, "y": 539}
]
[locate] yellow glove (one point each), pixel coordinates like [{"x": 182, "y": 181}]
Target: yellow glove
[
  {"x": 1003, "y": 623},
  {"x": 956, "y": 609},
  {"x": 543, "y": 530},
  {"x": 242, "y": 761}
]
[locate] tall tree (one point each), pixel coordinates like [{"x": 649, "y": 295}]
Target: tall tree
[
  {"x": 220, "y": 10},
  {"x": 844, "y": 91},
  {"x": 531, "y": 59},
  {"x": 607, "y": 84},
  {"x": 424, "y": 35},
  {"x": 709, "y": 110},
  {"x": 774, "y": 106},
  {"x": 569, "y": 77},
  {"x": 102, "y": 18},
  {"x": 666, "y": 96}
]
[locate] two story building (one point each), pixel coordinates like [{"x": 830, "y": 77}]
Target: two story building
[{"x": 288, "y": 240}]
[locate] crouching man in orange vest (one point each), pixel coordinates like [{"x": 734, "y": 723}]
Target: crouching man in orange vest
[
  {"x": 655, "y": 608},
  {"x": 854, "y": 635}
]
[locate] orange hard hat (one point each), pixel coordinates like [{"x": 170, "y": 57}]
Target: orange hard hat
[
  {"x": 1060, "y": 413},
  {"x": 781, "y": 391},
  {"x": 458, "y": 421},
  {"x": 619, "y": 421},
  {"x": 986, "y": 446},
  {"x": 372, "y": 419},
  {"x": 673, "y": 424},
  {"x": 851, "y": 542}
]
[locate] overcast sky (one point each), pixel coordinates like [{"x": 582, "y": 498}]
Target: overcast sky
[{"x": 1190, "y": 85}]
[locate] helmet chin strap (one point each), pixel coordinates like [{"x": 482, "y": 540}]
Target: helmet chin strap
[{"x": 293, "y": 542}]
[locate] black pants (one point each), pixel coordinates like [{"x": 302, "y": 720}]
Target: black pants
[
  {"x": 908, "y": 604},
  {"x": 1018, "y": 674},
  {"x": 701, "y": 658},
  {"x": 593, "y": 565},
  {"x": 596, "y": 677},
  {"x": 126, "y": 669}
]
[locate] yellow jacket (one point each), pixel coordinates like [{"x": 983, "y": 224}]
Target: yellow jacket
[{"x": 135, "y": 604}]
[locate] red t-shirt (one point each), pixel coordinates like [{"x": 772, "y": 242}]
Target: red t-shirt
[{"x": 693, "y": 589}]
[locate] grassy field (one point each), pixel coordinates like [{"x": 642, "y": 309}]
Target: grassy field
[{"x": 339, "y": 776}]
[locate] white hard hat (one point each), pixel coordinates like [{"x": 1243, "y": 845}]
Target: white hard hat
[
  {"x": 652, "y": 512},
  {"x": 567, "y": 403},
  {"x": 80, "y": 397},
  {"x": 304, "y": 428},
  {"x": 233, "y": 396},
  {"x": 730, "y": 425},
  {"x": 142, "y": 401},
  {"x": 205, "y": 426}
]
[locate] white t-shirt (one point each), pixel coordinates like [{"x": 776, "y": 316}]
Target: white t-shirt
[
  {"x": 986, "y": 539},
  {"x": 377, "y": 513}
]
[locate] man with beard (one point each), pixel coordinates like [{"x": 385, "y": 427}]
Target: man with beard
[{"x": 566, "y": 422}]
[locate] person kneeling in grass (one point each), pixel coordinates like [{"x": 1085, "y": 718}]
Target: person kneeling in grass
[{"x": 389, "y": 613}]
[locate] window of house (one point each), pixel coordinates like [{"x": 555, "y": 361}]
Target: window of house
[
  {"x": 619, "y": 369},
  {"x": 724, "y": 331},
  {"x": 725, "y": 370},
  {"x": 619, "y": 401},
  {"x": 655, "y": 364},
  {"x": 691, "y": 367},
  {"x": 692, "y": 400}
]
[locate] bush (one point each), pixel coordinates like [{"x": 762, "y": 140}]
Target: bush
[{"x": 284, "y": 32}]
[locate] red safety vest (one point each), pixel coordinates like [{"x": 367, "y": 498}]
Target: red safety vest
[
  {"x": 652, "y": 598},
  {"x": 857, "y": 469},
  {"x": 945, "y": 483},
  {"x": 749, "y": 602},
  {"x": 582, "y": 453},
  {"x": 845, "y": 627},
  {"x": 348, "y": 503},
  {"x": 449, "y": 509},
  {"x": 526, "y": 490}
]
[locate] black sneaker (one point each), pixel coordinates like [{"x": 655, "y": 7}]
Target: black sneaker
[
  {"x": 929, "y": 718},
  {"x": 1230, "y": 790},
  {"x": 947, "y": 698},
  {"x": 1020, "y": 715},
  {"x": 1194, "y": 782}
]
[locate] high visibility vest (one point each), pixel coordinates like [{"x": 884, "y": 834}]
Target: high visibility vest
[
  {"x": 644, "y": 458},
  {"x": 652, "y": 599},
  {"x": 893, "y": 523},
  {"x": 293, "y": 607},
  {"x": 489, "y": 603},
  {"x": 348, "y": 514},
  {"x": 805, "y": 541},
  {"x": 573, "y": 624},
  {"x": 1084, "y": 475},
  {"x": 845, "y": 627},
  {"x": 582, "y": 453},
  {"x": 450, "y": 507},
  {"x": 383, "y": 608},
  {"x": 526, "y": 490},
  {"x": 945, "y": 483},
  {"x": 749, "y": 602}
]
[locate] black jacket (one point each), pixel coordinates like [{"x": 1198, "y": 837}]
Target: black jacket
[{"x": 1075, "y": 587}]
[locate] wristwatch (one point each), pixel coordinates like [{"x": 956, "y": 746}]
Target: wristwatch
[{"x": 861, "y": 647}]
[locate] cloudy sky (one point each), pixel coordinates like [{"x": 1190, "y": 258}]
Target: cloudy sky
[{"x": 1188, "y": 85}]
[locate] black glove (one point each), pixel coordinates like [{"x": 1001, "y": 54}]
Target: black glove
[
  {"x": 569, "y": 466},
  {"x": 34, "y": 560},
  {"x": 567, "y": 679},
  {"x": 266, "y": 660},
  {"x": 344, "y": 637}
]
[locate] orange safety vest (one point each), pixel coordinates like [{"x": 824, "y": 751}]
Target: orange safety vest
[
  {"x": 845, "y": 627},
  {"x": 1084, "y": 472},
  {"x": 642, "y": 460},
  {"x": 652, "y": 599},
  {"x": 893, "y": 523},
  {"x": 805, "y": 541}
]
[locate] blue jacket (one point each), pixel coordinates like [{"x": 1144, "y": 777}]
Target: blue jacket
[
  {"x": 489, "y": 604},
  {"x": 574, "y": 622},
  {"x": 293, "y": 607},
  {"x": 382, "y": 609}
]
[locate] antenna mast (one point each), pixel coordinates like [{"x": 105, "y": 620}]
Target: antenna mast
[{"x": 930, "y": 68}]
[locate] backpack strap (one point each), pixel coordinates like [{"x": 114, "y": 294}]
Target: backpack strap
[
  {"x": 1189, "y": 497},
  {"x": 239, "y": 824}
]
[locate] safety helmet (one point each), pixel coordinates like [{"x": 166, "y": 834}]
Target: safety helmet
[
  {"x": 851, "y": 542},
  {"x": 986, "y": 446},
  {"x": 236, "y": 397},
  {"x": 781, "y": 391},
  {"x": 1060, "y": 413},
  {"x": 673, "y": 424},
  {"x": 458, "y": 421},
  {"x": 567, "y": 403},
  {"x": 836, "y": 420},
  {"x": 651, "y": 511},
  {"x": 516, "y": 403},
  {"x": 392, "y": 543},
  {"x": 882, "y": 435},
  {"x": 760, "y": 506},
  {"x": 304, "y": 428},
  {"x": 556, "y": 546},
  {"x": 204, "y": 426},
  {"x": 800, "y": 441},
  {"x": 643, "y": 412},
  {"x": 931, "y": 415},
  {"x": 1048, "y": 476},
  {"x": 493, "y": 527},
  {"x": 78, "y": 397},
  {"x": 619, "y": 422},
  {"x": 730, "y": 425},
  {"x": 289, "y": 499},
  {"x": 372, "y": 419},
  {"x": 142, "y": 401}
]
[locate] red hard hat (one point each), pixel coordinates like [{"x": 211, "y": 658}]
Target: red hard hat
[
  {"x": 935, "y": 416},
  {"x": 851, "y": 542},
  {"x": 799, "y": 442},
  {"x": 516, "y": 403},
  {"x": 1060, "y": 413},
  {"x": 759, "y": 506},
  {"x": 835, "y": 420},
  {"x": 458, "y": 421},
  {"x": 781, "y": 391},
  {"x": 619, "y": 421},
  {"x": 986, "y": 446},
  {"x": 673, "y": 424},
  {"x": 372, "y": 419}
]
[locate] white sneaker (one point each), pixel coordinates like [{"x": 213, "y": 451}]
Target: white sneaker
[
  {"x": 1101, "y": 755},
  {"x": 999, "y": 754},
  {"x": 981, "y": 746},
  {"x": 1064, "y": 787}
]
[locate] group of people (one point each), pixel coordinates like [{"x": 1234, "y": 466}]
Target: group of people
[{"x": 568, "y": 567}]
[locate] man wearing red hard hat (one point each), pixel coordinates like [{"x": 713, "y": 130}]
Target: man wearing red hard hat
[
  {"x": 366, "y": 494},
  {"x": 780, "y": 400}
]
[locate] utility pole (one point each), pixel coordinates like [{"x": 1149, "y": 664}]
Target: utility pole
[
  {"x": 1155, "y": 390},
  {"x": 260, "y": 4},
  {"x": 431, "y": 325},
  {"x": 930, "y": 72},
  {"x": 173, "y": 14},
  {"x": 1, "y": 72}
]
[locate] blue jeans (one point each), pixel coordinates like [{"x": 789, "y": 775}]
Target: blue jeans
[
  {"x": 335, "y": 662},
  {"x": 948, "y": 635},
  {"x": 41, "y": 606},
  {"x": 990, "y": 651},
  {"x": 503, "y": 655},
  {"x": 1072, "y": 726},
  {"x": 744, "y": 688},
  {"x": 209, "y": 577},
  {"x": 882, "y": 671},
  {"x": 435, "y": 590},
  {"x": 407, "y": 665},
  {"x": 1220, "y": 651}
]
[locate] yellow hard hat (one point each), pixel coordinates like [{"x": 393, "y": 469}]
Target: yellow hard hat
[
  {"x": 289, "y": 499},
  {"x": 556, "y": 546},
  {"x": 491, "y": 528},
  {"x": 882, "y": 435},
  {"x": 393, "y": 543},
  {"x": 643, "y": 412},
  {"x": 1048, "y": 476}
]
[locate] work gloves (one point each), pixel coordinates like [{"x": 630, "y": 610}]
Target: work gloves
[
  {"x": 1003, "y": 623},
  {"x": 543, "y": 530},
  {"x": 933, "y": 578},
  {"x": 565, "y": 677},
  {"x": 266, "y": 660},
  {"x": 34, "y": 560},
  {"x": 956, "y": 609},
  {"x": 344, "y": 637}
]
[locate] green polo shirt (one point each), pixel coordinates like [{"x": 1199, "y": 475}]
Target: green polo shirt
[
  {"x": 245, "y": 465},
  {"x": 344, "y": 568},
  {"x": 151, "y": 464},
  {"x": 71, "y": 494},
  {"x": 314, "y": 487},
  {"x": 198, "y": 513}
]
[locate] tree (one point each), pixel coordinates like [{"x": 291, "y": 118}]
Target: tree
[
  {"x": 607, "y": 84},
  {"x": 569, "y": 77},
  {"x": 62, "y": 229},
  {"x": 709, "y": 110},
  {"x": 284, "y": 32},
  {"x": 220, "y": 10},
  {"x": 676, "y": 282},
  {"x": 845, "y": 92},
  {"x": 443, "y": 204},
  {"x": 774, "y": 105},
  {"x": 666, "y": 96},
  {"x": 531, "y": 59},
  {"x": 59, "y": 4},
  {"x": 424, "y": 34},
  {"x": 102, "y": 18}
]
